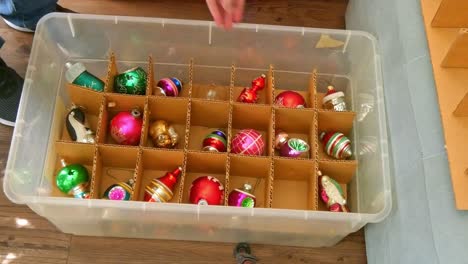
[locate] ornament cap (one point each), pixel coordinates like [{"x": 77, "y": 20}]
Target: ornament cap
[
  {"x": 247, "y": 188},
  {"x": 136, "y": 113},
  {"x": 202, "y": 202},
  {"x": 322, "y": 135},
  {"x": 63, "y": 162}
]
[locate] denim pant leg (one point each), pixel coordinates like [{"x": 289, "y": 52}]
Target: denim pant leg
[{"x": 26, "y": 13}]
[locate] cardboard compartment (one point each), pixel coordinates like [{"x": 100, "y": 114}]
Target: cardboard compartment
[
  {"x": 206, "y": 116},
  {"x": 112, "y": 105},
  {"x": 254, "y": 171},
  {"x": 89, "y": 102},
  {"x": 244, "y": 77},
  {"x": 251, "y": 116},
  {"x": 294, "y": 184},
  {"x": 301, "y": 83},
  {"x": 173, "y": 111},
  {"x": 297, "y": 123},
  {"x": 211, "y": 83},
  {"x": 71, "y": 153},
  {"x": 115, "y": 68},
  {"x": 169, "y": 70},
  {"x": 340, "y": 83},
  {"x": 114, "y": 164},
  {"x": 342, "y": 172},
  {"x": 204, "y": 164},
  {"x": 155, "y": 163},
  {"x": 330, "y": 121}
]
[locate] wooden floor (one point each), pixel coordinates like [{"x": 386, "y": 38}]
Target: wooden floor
[{"x": 28, "y": 238}]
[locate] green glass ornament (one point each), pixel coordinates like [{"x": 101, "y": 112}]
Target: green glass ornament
[
  {"x": 132, "y": 81},
  {"x": 73, "y": 180},
  {"x": 78, "y": 75}
]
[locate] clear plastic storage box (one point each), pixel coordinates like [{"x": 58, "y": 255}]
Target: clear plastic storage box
[{"x": 213, "y": 64}]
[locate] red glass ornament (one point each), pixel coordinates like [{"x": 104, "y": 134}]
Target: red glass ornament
[
  {"x": 290, "y": 99},
  {"x": 161, "y": 189},
  {"x": 206, "y": 190},
  {"x": 336, "y": 144},
  {"x": 125, "y": 127},
  {"x": 248, "y": 142},
  {"x": 250, "y": 95}
]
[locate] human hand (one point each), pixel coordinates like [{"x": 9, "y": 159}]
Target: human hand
[{"x": 226, "y": 12}]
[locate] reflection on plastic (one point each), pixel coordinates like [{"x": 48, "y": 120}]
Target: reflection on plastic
[
  {"x": 367, "y": 145},
  {"x": 366, "y": 106}
]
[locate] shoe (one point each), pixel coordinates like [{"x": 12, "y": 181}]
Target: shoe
[
  {"x": 11, "y": 86},
  {"x": 30, "y": 29}
]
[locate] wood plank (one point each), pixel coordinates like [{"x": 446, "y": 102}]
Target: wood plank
[
  {"x": 104, "y": 250},
  {"x": 451, "y": 89},
  {"x": 451, "y": 13},
  {"x": 457, "y": 55},
  {"x": 315, "y": 13}
]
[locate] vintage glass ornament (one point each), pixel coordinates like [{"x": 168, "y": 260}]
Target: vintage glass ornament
[
  {"x": 78, "y": 75},
  {"x": 250, "y": 95},
  {"x": 216, "y": 141},
  {"x": 73, "y": 180},
  {"x": 161, "y": 190},
  {"x": 332, "y": 194},
  {"x": 242, "y": 197},
  {"x": 125, "y": 127},
  {"x": 248, "y": 142},
  {"x": 290, "y": 99},
  {"x": 206, "y": 190},
  {"x": 293, "y": 148},
  {"x": 77, "y": 126},
  {"x": 281, "y": 138},
  {"x": 163, "y": 135},
  {"x": 121, "y": 191},
  {"x": 132, "y": 81},
  {"x": 336, "y": 144},
  {"x": 170, "y": 86},
  {"x": 334, "y": 100}
]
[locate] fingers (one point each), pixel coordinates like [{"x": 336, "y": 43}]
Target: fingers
[
  {"x": 216, "y": 12},
  {"x": 238, "y": 11},
  {"x": 226, "y": 12}
]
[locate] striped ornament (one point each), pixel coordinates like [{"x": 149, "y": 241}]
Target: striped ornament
[
  {"x": 336, "y": 144},
  {"x": 248, "y": 142}
]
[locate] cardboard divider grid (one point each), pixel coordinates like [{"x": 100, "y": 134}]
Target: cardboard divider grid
[
  {"x": 72, "y": 153},
  {"x": 209, "y": 102},
  {"x": 204, "y": 164},
  {"x": 89, "y": 101},
  {"x": 111, "y": 170},
  {"x": 297, "y": 124},
  {"x": 331, "y": 121}
]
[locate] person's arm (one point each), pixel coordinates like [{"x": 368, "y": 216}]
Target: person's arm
[{"x": 226, "y": 12}]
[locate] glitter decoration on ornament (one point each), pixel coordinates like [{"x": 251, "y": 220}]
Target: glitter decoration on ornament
[
  {"x": 126, "y": 126},
  {"x": 336, "y": 145},
  {"x": 332, "y": 193},
  {"x": 206, "y": 190},
  {"x": 334, "y": 100},
  {"x": 250, "y": 95},
  {"x": 163, "y": 134},
  {"x": 77, "y": 126},
  {"x": 248, "y": 142},
  {"x": 132, "y": 81}
]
